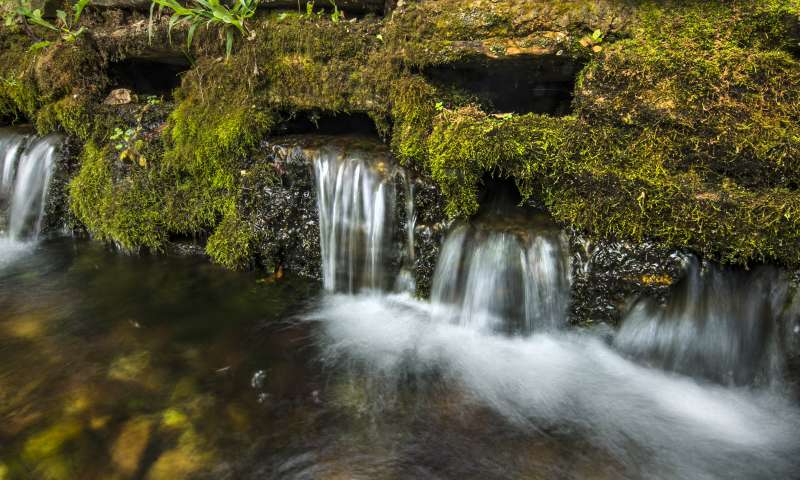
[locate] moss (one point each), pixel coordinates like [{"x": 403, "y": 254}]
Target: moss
[
  {"x": 725, "y": 104},
  {"x": 70, "y": 114},
  {"x": 435, "y": 32},
  {"x": 127, "y": 212},
  {"x": 19, "y": 95},
  {"x": 466, "y": 143},
  {"x": 230, "y": 245},
  {"x": 413, "y": 110},
  {"x": 686, "y": 123}
]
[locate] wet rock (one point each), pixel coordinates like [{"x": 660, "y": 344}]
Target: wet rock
[
  {"x": 28, "y": 326},
  {"x": 129, "y": 447},
  {"x": 430, "y": 227},
  {"x": 130, "y": 368},
  {"x": 78, "y": 401},
  {"x": 172, "y": 418},
  {"x": 57, "y": 215},
  {"x": 280, "y": 202},
  {"x": 120, "y": 96},
  {"x": 189, "y": 457},
  {"x": 608, "y": 275},
  {"x": 238, "y": 416},
  {"x": 50, "y": 442}
]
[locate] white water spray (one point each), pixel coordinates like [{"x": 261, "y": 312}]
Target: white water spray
[
  {"x": 356, "y": 202},
  {"x": 25, "y": 172},
  {"x": 503, "y": 281}
]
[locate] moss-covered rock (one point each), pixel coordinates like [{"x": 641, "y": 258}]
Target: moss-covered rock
[{"x": 684, "y": 127}]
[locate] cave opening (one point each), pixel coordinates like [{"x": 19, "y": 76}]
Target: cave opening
[
  {"x": 326, "y": 123},
  {"x": 148, "y": 76},
  {"x": 520, "y": 84}
]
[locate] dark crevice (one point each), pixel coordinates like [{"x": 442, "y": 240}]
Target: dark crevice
[
  {"x": 498, "y": 193},
  {"x": 350, "y": 8},
  {"x": 327, "y": 124},
  {"x": 148, "y": 76},
  {"x": 541, "y": 84}
]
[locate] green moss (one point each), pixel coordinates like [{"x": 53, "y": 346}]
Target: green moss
[
  {"x": 19, "y": 95},
  {"x": 413, "y": 110},
  {"x": 685, "y": 130},
  {"x": 71, "y": 115},
  {"x": 230, "y": 245},
  {"x": 127, "y": 211}
]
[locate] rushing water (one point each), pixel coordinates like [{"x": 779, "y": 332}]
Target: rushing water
[
  {"x": 165, "y": 368},
  {"x": 719, "y": 324},
  {"x": 356, "y": 204},
  {"x": 26, "y": 165},
  {"x": 503, "y": 281},
  {"x": 490, "y": 282}
]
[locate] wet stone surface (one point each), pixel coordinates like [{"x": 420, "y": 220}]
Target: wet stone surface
[{"x": 608, "y": 276}]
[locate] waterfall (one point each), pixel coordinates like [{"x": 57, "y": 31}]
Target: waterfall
[
  {"x": 515, "y": 278},
  {"x": 27, "y": 166},
  {"x": 718, "y": 324},
  {"x": 503, "y": 281},
  {"x": 356, "y": 201}
]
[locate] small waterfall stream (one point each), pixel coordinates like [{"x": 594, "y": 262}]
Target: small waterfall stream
[
  {"x": 356, "y": 202},
  {"x": 495, "y": 329},
  {"x": 503, "y": 281},
  {"x": 26, "y": 167},
  {"x": 719, "y": 324}
]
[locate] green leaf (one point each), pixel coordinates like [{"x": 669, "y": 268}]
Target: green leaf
[
  {"x": 190, "y": 35},
  {"x": 79, "y": 7},
  {"x": 38, "y": 46},
  {"x": 172, "y": 21}
]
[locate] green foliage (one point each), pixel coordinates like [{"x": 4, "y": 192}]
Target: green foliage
[
  {"x": 208, "y": 12},
  {"x": 67, "y": 25}
]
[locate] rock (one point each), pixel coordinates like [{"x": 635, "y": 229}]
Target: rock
[
  {"x": 284, "y": 213},
  {"x": 128, "y": 448},
  {"x": 346, "y": 6},
  {"x": 130, "y": 367},
  {"x": 49, "y": 443},
  {"x": 607, "y": 275},
  {"x": 120, "y": 96},
  {"x": 189, "y": 457},
  {"x": 28, "y": 325},
  {"x": 172, "y": 418}
]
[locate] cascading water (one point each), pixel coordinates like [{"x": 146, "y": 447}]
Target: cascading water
[
  {"x": 507, "y": 281},
  {"x": 656, "y": 424},
  {"x": 27, "y": 166},
  {"x": 356, "y": 201},
  {"x": 719, "y": 324}
]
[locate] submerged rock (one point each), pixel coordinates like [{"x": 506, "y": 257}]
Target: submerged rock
[
  {"x": 129, "y": 447},
  {"x": 189, "y": 457},
  {"x": 48, "y": 443}
]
